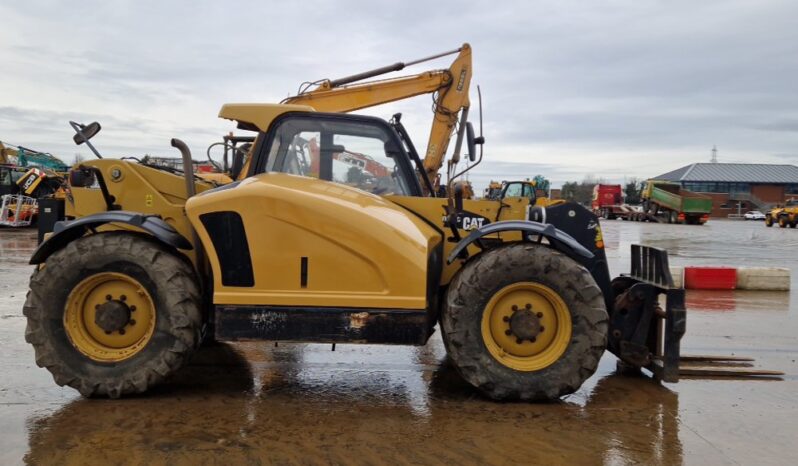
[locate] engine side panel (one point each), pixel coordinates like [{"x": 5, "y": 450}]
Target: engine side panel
[{"x": 314, "y": 243}]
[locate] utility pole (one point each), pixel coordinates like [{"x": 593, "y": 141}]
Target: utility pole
[{"x": 714, "y": 154}]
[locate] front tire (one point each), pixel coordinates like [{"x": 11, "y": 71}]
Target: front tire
[
  {"x": 768, "y": 221},
  {"x": 113, "y": 314},
  {"x": 561, "y": 318}
]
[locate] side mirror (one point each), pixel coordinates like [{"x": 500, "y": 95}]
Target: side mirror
[
  {"x": 85, "y": 132},
  {"x": 470, "y": 140}
]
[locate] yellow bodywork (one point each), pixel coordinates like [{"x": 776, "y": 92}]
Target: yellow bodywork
[
  {"x": 260, "y": 116},
  {"x": 361, "y": 249},
  {"x": 434, "y": 210},
  {"x": 213, "y": 177},
  {"x": 136, "y": 188}
]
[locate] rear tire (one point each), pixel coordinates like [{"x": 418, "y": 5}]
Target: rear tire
[
  {"x": 782, "y": 222},
  {"x": 470, "y": 297},
  {"x": 73, "y": 349}
]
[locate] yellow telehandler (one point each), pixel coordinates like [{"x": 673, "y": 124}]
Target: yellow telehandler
[
  {"x": 331, "y": 233},
  {"x": 785, "y": 216}
]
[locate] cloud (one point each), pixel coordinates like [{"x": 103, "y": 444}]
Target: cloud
[{"x": 612, "y": 90}]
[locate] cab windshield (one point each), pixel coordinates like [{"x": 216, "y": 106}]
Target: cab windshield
[{"x": 361, "y": 154}]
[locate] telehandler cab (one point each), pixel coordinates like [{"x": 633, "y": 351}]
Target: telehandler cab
[{"x": 304, "y": 248}]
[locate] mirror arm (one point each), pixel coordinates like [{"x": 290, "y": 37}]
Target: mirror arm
[
  {"x": 478, "y": 140},
  {"x": 79, "y": 129},
  {"x": 460, "y": 133}
]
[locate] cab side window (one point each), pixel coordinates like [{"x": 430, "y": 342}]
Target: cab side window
[
  {"x": 513, "y": 190},
  {"x": 354, "y": 153}
]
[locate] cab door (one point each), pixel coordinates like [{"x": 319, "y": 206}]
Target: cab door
[
  {"x": 314, "y": 227},
  {"x": 516, "y": 198}
]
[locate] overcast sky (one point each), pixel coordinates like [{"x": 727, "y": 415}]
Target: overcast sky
[{"x": 612, "y": 90}]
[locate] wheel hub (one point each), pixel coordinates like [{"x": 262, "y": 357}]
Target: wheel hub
[
  {"x": 112, "y": 315},
  {"x": 525, "y": 324}
]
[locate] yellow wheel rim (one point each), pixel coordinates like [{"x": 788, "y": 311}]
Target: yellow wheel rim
[
  {"x": 526, "y": 326},
  {"x": 85, "y": 301}
]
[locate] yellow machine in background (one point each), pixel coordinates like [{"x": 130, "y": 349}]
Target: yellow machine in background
[
  {"x": 785, "y": 216},
  {"x": 332, "y": 234},
  {"x": 493, "y": 191},
  {"x": 22, "y": 187},
  {"x": 6, "y": 154},
  {"x": 524, "y": 192}
]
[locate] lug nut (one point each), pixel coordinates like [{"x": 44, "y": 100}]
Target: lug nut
[
  {"x": 519, "y": 341},
  {"x": 508, "y": 332},
  {"x": 533, "y": 339},
  {"x": 123, "y": 298},
  {"x": 121, "y": 331},
  {"x": 96, "y": 306},
  {"x": 132, "y": 308},
  {"x": 528, "y": 306},
  {"x": 515, "y": 308},
  {"x": 108, "y": 297},
  {"x": 107, "y": 332},
  {"x": 132, "y": 322},
  {"x": 542, "y": 328},
  {"x": 506, "y": 319},
  {"x": 540, "y": 315}
]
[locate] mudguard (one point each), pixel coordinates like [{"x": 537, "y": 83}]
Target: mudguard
[
  {"x": 67, "y": 231},
  {"x": 559, "y": 239}
]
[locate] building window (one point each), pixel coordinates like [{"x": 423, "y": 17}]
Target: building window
[
  {"x": 791, "y": 188},
  {"x": 740, "y": 188},
  {"x": 718, "y": 187}
]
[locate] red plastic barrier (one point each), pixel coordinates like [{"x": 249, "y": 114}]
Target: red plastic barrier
[{"x": 710, "y": 278}]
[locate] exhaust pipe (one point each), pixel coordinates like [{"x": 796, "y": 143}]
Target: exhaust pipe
[
  {"x": 188, "y": 175},
  {"x": 188, "y": 166}
]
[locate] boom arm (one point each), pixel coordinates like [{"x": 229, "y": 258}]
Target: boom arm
[{"x": 451, "y": 85}]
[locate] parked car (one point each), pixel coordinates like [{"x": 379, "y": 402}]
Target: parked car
[{"x": 754, "y": 215}]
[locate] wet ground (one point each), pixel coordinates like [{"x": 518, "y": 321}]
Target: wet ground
[{"x": 303, "y": 404}]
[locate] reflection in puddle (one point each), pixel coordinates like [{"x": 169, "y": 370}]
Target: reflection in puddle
[
  {"x": 17, "y": 245},
  {"x": 728, "y": 300},
  {"x": 293, "y": 405}
]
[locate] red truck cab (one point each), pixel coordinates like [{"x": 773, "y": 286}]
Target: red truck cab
[{"x": 605, "y": 195}]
